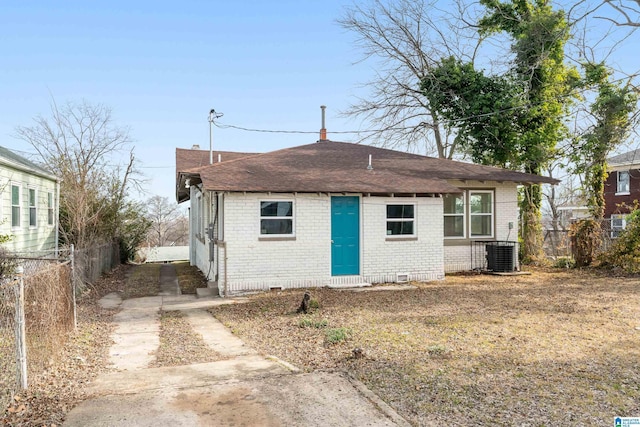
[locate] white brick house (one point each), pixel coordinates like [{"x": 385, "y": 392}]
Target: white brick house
[{"x": 332, "y": 213}]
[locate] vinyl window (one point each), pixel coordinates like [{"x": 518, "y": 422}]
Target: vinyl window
[
  {"x": 623, "y": 182},
  {"x": 33, "y": 208},
  {"x": 481, "y": 213},
  {"x": 276, "y": 218},
  {"x": 15, "y": 206},
  {"x": 401, "y": 220},
  {"x": 50, "y": 211},
  {"x": 618, "y": 223},
  {"x": 454, "y": 215},
  {"x": 469, "y": 215}
]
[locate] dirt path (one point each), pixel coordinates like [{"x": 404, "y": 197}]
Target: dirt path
[{"x": 245, "y": 389}]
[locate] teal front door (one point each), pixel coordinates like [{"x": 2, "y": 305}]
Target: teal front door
[{"x": 345, "y": 235}]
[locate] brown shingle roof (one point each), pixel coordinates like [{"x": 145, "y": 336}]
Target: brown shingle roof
[
  {"x": 329, "y": 166},
  {"x": 193, "y": 158}
]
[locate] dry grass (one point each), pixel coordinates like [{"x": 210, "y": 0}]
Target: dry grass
[
  {"x": 143, "y": 280},
  {"x": 81, "y": 356},
  {"x": 554, "y": 348},
  {"x": 48, "y": 312},
  {"x": 179, "y": 344},
  {"x": 189, "y": 277}
]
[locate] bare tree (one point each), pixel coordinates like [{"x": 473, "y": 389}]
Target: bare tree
[
  {"x": 178, "y": 233},
  {"x": 81, "y": 145},
  {"x": 407, "y": 37},
  {"x": 167, "y": 222},
  {"x": 627, "y": 11}
]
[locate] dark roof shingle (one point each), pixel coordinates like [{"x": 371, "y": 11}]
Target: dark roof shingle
[
  {"x": 25, "y": 164},
  {"x": 629, "y": 158},
  {"x": 329, "y": 166},
  {"x": 187, "y": 159}
]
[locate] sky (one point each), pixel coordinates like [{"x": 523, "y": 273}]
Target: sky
[{"x": 161, "y": 66}]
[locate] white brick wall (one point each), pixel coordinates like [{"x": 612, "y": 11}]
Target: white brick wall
[
  {"x": 385, "y": 257},
  {"x": 458, "y": 257},
  {"x": 255, "y": 264}
]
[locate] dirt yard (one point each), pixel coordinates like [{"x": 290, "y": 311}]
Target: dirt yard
[{"x": 554, "y": 348}]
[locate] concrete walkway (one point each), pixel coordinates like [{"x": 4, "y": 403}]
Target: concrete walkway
[{"x": 247, "y": 389}]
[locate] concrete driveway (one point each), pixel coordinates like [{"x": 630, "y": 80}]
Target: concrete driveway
[{"x": 247, "y": 389}]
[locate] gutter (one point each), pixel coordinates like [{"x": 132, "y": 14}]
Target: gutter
[{"x": 24, "y": 168}]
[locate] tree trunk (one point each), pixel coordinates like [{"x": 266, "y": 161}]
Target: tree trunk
[{"x": 531, "y": 232}]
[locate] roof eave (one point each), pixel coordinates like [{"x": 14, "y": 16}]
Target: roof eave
[
  {"x": 182, "y": 189},
  {"x": 25, "y": 168}
]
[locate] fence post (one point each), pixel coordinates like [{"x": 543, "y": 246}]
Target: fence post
[
  {"x": 21, "y": 339},
  {"x": 73, "y": 286}
]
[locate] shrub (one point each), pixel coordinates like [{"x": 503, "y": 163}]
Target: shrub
[
  {"x": 625, "y": 251},
  {"x": 586, "y": 239},
  {"x": 564, "y": 262}
]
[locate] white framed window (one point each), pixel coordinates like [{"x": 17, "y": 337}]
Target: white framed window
[
  {"x": 454, "y": 223},
  {"x": 618, "y": 223},
  {"x": 481, "y": 213},
  {"x": 469, "y": 215},
  {"x": 276, "y": 218},
  {"x": 33, "y": 207},
  {"x": 623, "y": 183},
  {"x": 401, "y": 220},
  {"x": 50, "y": 210},
  {"x": 15, "y": 205}
]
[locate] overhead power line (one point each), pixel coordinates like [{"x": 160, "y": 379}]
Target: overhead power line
[{"x": 224, "y": 126}]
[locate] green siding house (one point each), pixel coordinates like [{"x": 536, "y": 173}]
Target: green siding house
[{"x": 28, "y": 204}]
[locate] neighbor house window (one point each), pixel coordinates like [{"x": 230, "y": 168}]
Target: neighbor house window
[
  {"x": 618, "y": 223},
  {"x": 481, "y": 213},
  {"x": 33, "y": 213},
  {"x": 15, "y": 206},
  {"x": 623, "y": 182},
  {"x": 50, "y": 208},
  {"x": 276, "y": 218},
  {"x": 454, "y": 215},
  {"x": 401, "y": 220}
]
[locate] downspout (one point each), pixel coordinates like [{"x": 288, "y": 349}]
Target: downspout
[
  {"x": 223, "y": 244},
  {"x": 211, "y": 226},
  {"x": 216, "y": 226},
  {"x": 225, "y": 270}
]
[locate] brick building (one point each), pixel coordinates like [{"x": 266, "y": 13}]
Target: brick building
[
  {"x": 341, "y": 214},
  {"x": 622, "y": 188}
]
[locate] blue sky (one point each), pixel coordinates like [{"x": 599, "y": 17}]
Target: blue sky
[{"x": 162, "y": 65}]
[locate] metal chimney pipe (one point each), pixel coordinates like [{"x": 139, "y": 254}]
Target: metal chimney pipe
[{"x": 323, "y": 130}]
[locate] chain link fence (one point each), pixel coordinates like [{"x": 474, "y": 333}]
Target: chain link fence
[
  {"x": 45, "y": 294},
  {"x": 557, "y": 243}
]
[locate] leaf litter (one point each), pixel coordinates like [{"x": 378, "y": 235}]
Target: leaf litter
[{"x": 555, "y": 347}]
